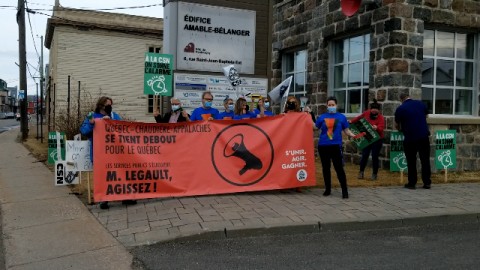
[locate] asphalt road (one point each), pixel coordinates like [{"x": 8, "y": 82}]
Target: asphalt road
[
  {"x": 436, "y": 247},
  {"x": 7, "y": 124}
]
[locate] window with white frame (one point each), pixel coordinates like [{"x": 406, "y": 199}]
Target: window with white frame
[
  {"x": 151, "y": 99},
  {"x": 349, "y": 73},
  {"x": 295, "y": 64},
  {"x": 448, "y": 72}
]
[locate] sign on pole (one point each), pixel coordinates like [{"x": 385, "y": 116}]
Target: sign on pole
[
  {"x": 366, "y": 135},
  {"x": 52, "y": 146},
  {"x": 158, "y": 74},
  {"x": 445, "y": 149},
  {"x": 398, "y": 162}
]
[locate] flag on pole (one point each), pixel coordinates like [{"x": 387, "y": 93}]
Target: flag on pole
[{"x": 281, "y": 91}]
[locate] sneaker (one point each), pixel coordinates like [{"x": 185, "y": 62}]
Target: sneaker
[
  {"x": 426, "y": 186},
  {"x": 374, "y": 177},
  {"x": 409, "y": 186},
  {"x": 360, "y": 175},
  {"x": 345, "y": 195},
  {"x": 129, "y": 202},
  {"x": 327, "y": 193},
  {"x": 103, "y": 205}
]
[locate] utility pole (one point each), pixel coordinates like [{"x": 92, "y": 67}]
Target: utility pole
[
  {"x": 42, "y": 83},
  {"x": 23, "y": 67}
]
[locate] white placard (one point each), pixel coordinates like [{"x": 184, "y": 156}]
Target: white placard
[
  {"x": 211, "y": 37},
  {"x": 64, "y": 177},
  {"x": 78, "y": 156}
]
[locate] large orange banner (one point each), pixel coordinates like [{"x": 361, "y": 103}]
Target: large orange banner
[{"x": 148, "y": 160}]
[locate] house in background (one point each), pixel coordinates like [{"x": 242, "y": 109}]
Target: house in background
[
  {"x": 102, "y": 54},
  {"x": 3, "y": 96},
  {"x": 429, "y": 49}
]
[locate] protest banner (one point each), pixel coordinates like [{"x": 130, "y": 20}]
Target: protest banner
[
  {"x": 147, "y": 160},
  {"x": 365, "y": 134},
  {"x": 55, "y": 143}
]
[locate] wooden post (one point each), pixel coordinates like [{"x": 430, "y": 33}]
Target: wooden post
[
  {"x": 401, "y": 177},
  {"x": 88, "y": 189},
  {"x": 446, "y": 178}
]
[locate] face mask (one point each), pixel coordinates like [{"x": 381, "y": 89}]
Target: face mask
[
  {"x": 108, "y": 109},
  {"x": 231, "y": 107},
  {"x": 175, "y": 107},
  {"x": 332, "y": 109},
  {"x": 208, "y": 104},
  {"x": 373, "y": 115},
  {"x": 291, "y": 105},
  {"x": 267, "y": 105}
]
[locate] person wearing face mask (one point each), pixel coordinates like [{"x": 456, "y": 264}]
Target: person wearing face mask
[
  {"x": 229, "y": 107},
  {"x": 103, "y": 110},
  {"x": 206, "y": 112},
  {"x": 176, "y": 115},
  {"x": 330, "y": 144},
  {"x": 376, "y": 119},
  {"x": 263, "y": 107},
  {"x": 292, "y": 105},
  {"x": 242, "y": 111}
]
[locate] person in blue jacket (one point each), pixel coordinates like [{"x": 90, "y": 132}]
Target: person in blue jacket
[
  {"x": 103, "y": 110},
  {"x": 331, "y": 125},
  {"x": 229, "y": 107},
  {"x": 411, "y": 119},
  {"x": 206, "y": 112},
  {"x": 242, "y": 111},
  {"x": 263, "y": 107}
]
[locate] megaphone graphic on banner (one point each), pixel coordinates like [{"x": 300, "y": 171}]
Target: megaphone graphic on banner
[
  {"x": 235, "y": 147},
  {"x": 350, "y": 7}
]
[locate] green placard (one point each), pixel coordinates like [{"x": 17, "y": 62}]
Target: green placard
[
  {"x": 398, "y": 162},
  {"x": 158, "y": 74},
  {"x": 369, "y": 137},
  {"x": 52, "y": 146},
  {"x": 446, "y": 149}
]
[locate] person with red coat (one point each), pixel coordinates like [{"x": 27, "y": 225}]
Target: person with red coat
[{"x": 376, "y": 119}]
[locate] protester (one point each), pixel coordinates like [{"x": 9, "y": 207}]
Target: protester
[
  {"x": 292, "y": 105},
  {"x": 103, "y": 110},
  {"x": 411, "y": 119},
  {"x": 229, "y": 107},
  {"x": 176, "y": 115},
  {"x": 375, "y": 118},
  {"x": 206, "y": 112},
  {"x": 263, "y": 107},
  {"x": 242, "y": 111},
  {"x": 331, "y": 124}
]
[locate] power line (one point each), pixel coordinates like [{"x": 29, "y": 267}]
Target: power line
[
  {"x": 95, "y": 9},
  {"x": 31, "y": 29}
]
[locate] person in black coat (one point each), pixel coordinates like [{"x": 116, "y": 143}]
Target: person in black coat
[{"x": 176, "y": 115}]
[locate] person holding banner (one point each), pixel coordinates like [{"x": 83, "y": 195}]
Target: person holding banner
[
  {"x": 176, "y": 115},
  {"x": 292, "y": 105},
  {"x": 262, "y": 107},
  {"x": 206, "y": 112},
  {"x": 103, "y": 110},
  {"x": 411, "y": 119},
  {"x": 330, "y": 145},
  {"x": 241, "y": 110},
  {"x": 376, "y": 119},
  {"x": 229, "y": 107}
]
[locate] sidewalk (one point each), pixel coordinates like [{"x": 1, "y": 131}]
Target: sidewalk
[{"x": 45, "y": 226}]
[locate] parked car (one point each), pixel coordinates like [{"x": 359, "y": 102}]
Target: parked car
[
  {"x": 9, "y": 115},
  {"x": 3, "y": 115}
]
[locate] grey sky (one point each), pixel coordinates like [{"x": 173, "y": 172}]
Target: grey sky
[{"x": 9, "y": 46}]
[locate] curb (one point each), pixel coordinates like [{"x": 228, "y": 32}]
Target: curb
[{"x": 473, "y": 218}]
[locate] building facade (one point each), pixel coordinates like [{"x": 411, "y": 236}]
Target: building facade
[
  {"x": 427, "y": 48},
  {"x": 102, "y": 54}
]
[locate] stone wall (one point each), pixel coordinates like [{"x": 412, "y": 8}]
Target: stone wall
[{"x": 396, "y": 53}]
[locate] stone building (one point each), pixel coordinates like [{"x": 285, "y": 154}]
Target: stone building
[
  {"x": 428, "y": 48},
  {"x": 105, "y": 53}
]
